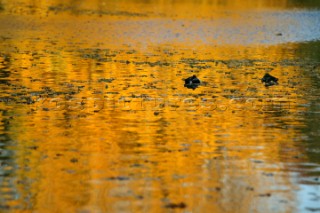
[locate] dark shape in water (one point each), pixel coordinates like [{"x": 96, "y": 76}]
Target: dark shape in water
[
  {"x": 269, "y": 80},
  {"x": 180, "y": 205},
  {"x": 192, "y": 82}
]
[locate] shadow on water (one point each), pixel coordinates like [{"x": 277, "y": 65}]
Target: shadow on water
[
  {"x": 311, "y": 53},
  {"x": 1, "y": 6}
]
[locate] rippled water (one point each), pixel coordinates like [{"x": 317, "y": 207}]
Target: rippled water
[{"x": 95, "y": 116}]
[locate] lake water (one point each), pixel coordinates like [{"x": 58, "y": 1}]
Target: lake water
[{"x": 95, "y": 116}]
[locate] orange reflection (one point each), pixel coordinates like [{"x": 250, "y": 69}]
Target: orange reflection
[{"x": 102, "y": 124}]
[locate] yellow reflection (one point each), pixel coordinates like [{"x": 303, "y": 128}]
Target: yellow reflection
[
  {"x": 189, "y": 8},
  {"x": 101, "y": 125},
  {"x": 145, "y": 138}
]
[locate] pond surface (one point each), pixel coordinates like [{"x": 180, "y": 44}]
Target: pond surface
[{"x": 95, "y": 116}]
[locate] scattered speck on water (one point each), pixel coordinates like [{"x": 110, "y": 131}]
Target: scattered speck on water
[
  {"x": 106, "y": 80},
  {"x": 249, "y": 188},
  {"x": 180, "y": 205},
  {"x": 265, "y": 195},
  {"x": 119, "y": 178},
  {"x": 267, "y": 174},
  {"x": 74, "y": 160}
]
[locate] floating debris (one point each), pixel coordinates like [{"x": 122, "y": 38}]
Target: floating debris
[
  {"x": 176, "y": 205},
  {"x": 119, "y": 178},
  {"x": 192, "y": 82},
  {"x": 269, "y": 80},
  {"x": 249, "y": 188},
  {"x": 106, "y": 80},
  {"x": 265, "y": 195},
  {"x": 218, "y": 189},
  {"x": 74, "y": 160}
]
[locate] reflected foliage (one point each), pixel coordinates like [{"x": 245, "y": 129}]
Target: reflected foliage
[{"x": 150, "y": 106}]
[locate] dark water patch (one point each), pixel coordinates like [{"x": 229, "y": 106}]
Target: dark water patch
[
  {"x": 78, "y": 11},
  {"x": 106, "y": 80},
  {"x": 180, "y": 205},
  {"x": 118, "y": 178}
]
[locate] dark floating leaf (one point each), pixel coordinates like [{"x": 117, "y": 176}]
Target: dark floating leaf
[
  {"x": 313, "y": 209},
  {"x": 192, "y": 82},
  {"x": 218, "y": 189},
  {"x": 33, "y": 147},
  {"x": 265, "y": 195},
  {"x": 140, "y": 197},
  {"x": 74, "y": 160},
  {"x": 180, "y": 205},
  {"x": 269, "y": 80},
  {"x": 120, "y": 178},
  {"x": 249, "y": 188},
  {"x": 106, "y": 80}
]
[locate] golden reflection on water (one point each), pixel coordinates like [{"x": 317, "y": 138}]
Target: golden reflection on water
[{"x": 98, "y": 124}]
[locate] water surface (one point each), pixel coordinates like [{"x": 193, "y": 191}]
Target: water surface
[{"x": 95, "y": 116}]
